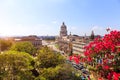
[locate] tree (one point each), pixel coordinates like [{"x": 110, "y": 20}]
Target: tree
[
  {"x": 48, "y": 58},
  {"x": 15, "y": 66},
  {"x": 60, "y": 72},
  {"x": 24, "y": 47},
  {"x": 51, "y": 66},
  {"x": 5, "y": 44}
]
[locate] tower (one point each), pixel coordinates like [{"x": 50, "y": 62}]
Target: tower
[
  {"x": 92, "y": 35},
  {"x": 63, "y": 30}
]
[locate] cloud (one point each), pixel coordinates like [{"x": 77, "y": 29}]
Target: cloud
[
  {"x": 72, "y": 28},
  {"x": 99, "y": 30},
  {"x": 54, "y": 22},
  {"x": 21, "y": 29}
]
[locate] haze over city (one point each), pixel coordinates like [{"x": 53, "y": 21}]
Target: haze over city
[{"x": 44, "y": 17}]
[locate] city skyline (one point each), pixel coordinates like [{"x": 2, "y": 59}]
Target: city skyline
[{"x": 45, "y": 17}]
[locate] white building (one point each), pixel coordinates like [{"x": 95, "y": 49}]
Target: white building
[{"x": 78, "y": 47}]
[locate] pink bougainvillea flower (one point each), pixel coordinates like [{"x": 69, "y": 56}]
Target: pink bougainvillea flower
[
  {"x": 106, "y": 67},
  {"x": 115, "y": 76},
  {"x": 70, "y": 58}
]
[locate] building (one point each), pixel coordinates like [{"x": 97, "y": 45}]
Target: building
[
  {"x": 78, "y": 47},
  {"x": 65, "y": 46},
  {"x": 92, "y": 35},
  {"x": 63, "y": 31},
  {"x": 36, "y": 41},
  {"x": 71, "y": 44},
  {"x": 63, "y": 40}
]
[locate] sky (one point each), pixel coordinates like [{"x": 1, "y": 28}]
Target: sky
[{"x": 44, "y": 17}]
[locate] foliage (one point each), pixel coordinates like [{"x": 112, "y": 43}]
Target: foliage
[
  {"x": 24, "y": 47},
  {"x": 5, "y": 44},
  {"x": 57, "y": 46},
  {"x": 60, "y": 72},
  {"x": 52, "y": 66},
  {"x": 104, "y": 53},
  {"x": 48, "y": 58},
  {"x": 15, "y": 66},
  {"x": 67, "y": 72},
  {"x": 48, "y": 65}
]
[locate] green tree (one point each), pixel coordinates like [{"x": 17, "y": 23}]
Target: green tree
[
  {"x": 66, "y": 72},
  {"x": 48, "y": 58},
  {"x": 52, "y": 66},
  {"x": 24, "y": 47},
  {"x": 5, "y": 44},
  {"x": 60, "y": 72},
  {"x": 15, "y": 66}
]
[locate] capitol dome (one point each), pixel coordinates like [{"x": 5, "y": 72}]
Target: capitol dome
[
  {"x": 63, "y": 25},
  {"x": 63, "y": 30}
]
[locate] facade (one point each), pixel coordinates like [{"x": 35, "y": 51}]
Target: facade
[
  {"x": 78, "y": 47},
  {"x": 63, "y": 31},
  {"x": 36, "y": 41},
  {"x": 63, "y": 40},
  {"x": 65, "y": 46},
  {"x": 71, "y": 44}
]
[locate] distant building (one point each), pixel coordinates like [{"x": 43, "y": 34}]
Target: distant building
[
  {"x": 36, "y": 41},
  {"x": 71, "y": 44},
  {"x": 92, "y": 35},
  {"x": 63, "y": 40},
  {"x": 63, "y": 31},
  {"x": 78, "y": 47}
]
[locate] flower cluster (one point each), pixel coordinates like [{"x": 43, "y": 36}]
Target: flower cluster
[
  {"x": 105, "y": 51},
  {"x": 75, "y": 58},
  {"x": 109, "y": 43}
]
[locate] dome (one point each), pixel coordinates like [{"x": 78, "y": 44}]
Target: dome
[
  {"x": 63, "y": 25},
  {"x": 63, "y": 31}
]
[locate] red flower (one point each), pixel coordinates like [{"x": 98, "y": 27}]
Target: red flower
[
  {"x": 106, "y": 67},
  {"x": 109, "y": 76},
  {"x": 89, "y": 59},
  {"x": 70, "y": 58},
  {"x": 115, "y": 76},
  {"x": 105, "y": 49},
  {"x": 74, "y": 58}
]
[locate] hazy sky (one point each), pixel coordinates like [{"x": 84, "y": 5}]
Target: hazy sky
[{"x": 44, "y": 17}]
